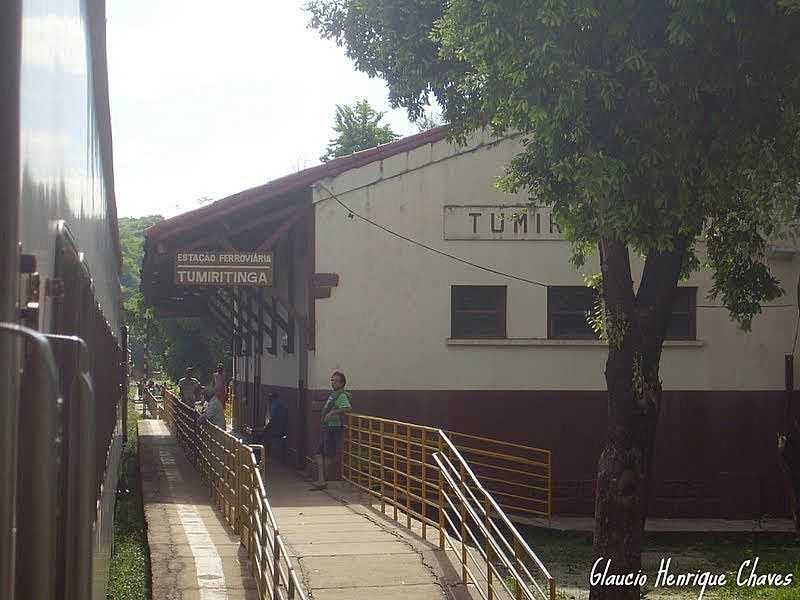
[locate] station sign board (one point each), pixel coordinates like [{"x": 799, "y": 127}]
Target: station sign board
[
  {"x": 223, "y": 268},
  {"x": 499, "y": 222}
]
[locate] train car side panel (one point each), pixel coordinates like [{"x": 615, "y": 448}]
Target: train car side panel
[{"x": 66, "y": 144}]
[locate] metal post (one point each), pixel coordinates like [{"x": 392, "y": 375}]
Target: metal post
[
  {"x": 247, "y": 505},
  {"x": 394, "y": 470},
  {"x": 360, "y": 450},
  {"x": 262, "y": 539},
  {"x": 276, "y": 571},
  {"x": 441, "y": 499},
  {"x": 488, "y": 549},
  {"x": 424, "y": 494},
  {"x": 369, "y": 464},
  {"x": 237, "y": 419},
  {"x": 549, "y": 486},
  {"x": 463, "y": 529},
  {"x": 517, "y": 565},
  {"x": 408, "y": 476},
  {"x": 383, "y": 487},
  {"x": 347, "y": 447}
]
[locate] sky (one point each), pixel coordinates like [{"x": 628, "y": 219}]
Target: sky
[{"x": 210, "y": 98}]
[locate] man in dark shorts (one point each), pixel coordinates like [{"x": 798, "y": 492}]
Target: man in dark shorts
[{"x": 336, "y": 406}]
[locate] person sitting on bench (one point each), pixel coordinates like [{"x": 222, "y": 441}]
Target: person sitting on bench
[{"x": 276, "y": 424}]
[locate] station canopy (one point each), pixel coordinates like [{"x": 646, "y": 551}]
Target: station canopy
[{"x": 196, "y": 264}]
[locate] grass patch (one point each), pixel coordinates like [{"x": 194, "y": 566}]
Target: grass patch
[
  {"x": 130, "y": 563},
  {"x": 569, "y": 557}
]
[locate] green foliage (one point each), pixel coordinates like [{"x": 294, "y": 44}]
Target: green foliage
[
  {"x": 429, "y": 121},
  {"x": 646, "y": 123},
  {"x": 170, "y": 345},
  {"x": 131, "y": 235},
  {"x": 190, "y": 342},
  {"x": 357, "y": 127},
  {"x": 596, "y": 315}
]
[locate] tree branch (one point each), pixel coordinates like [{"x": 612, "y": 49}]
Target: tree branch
[
  {"x": 615, "y": 266},
  {"x": 657, "y": 289}
]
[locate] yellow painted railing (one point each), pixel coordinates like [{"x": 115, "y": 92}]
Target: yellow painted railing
[
  {"x": 519, "y": 477},
  {"x": 457, "y": 488},
  {"x": 237, "y": 487}
]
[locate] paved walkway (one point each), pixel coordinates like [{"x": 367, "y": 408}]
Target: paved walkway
[
  {"x": 345, "y": 551},
  {"x": 342, "y": 549},
  {"x": 193, "y": 554}
]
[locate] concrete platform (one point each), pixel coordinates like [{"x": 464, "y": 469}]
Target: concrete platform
[
  {"x": 345, "y": 551},
  {"x": 341, "y": 547},
  {"x": 193, "y": 554}
]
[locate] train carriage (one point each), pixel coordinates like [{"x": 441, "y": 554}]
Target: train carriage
[{"x": 63, "y": 349}]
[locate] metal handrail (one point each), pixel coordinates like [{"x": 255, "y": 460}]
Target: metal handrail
[
  {"x": 422, "y": 474},
  {"x": 485, "y": 511},
  {"x": 234, "y": 477},
  {"x": 519, "y": 476},
  {"x": 34, "y": 570},
  {"x": 82, "y": 509}
]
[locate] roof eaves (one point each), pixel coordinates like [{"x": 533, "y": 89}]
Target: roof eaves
[{"x": 283, "y": 185}]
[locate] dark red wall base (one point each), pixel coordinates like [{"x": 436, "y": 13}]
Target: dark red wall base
[{"x": 716, "y": 452}]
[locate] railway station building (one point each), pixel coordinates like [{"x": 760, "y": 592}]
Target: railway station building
[{"x": 449, "y": 303}]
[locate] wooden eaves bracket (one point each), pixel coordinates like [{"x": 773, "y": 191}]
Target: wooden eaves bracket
[{"x": 323, "y": 283}]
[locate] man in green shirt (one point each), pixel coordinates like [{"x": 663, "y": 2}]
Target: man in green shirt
[{"x": 336, "y": 406}]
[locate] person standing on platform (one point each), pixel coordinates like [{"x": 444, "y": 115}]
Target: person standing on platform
[
  {"x": 190, "y": 388},
  {"x": 220, "y": 390},
  {"x": 336, "y": 406}
]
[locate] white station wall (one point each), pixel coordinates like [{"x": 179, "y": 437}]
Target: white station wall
[{"x": 387, "y": 324}]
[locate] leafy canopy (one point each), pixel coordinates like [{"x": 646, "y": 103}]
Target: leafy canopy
[
  {"x": 656, "y": 124},
  {"x": 357, "y": 127},
  {"x": 428, "y": 120},
  {"x": 173, "y": 344}
]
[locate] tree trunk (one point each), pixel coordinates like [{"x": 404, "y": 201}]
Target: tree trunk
[
  {"x": 635, "y": 327},
  {"x": 623, "y": 472}
]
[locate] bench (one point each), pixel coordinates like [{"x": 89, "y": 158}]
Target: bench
[{"x": 251, "y": 433}]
